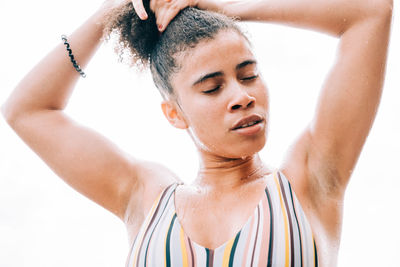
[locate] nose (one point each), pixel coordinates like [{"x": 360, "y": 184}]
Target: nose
[{"x": 241, "y": 99}]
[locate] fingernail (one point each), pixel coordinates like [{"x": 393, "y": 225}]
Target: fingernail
[{"x": 160, "y": 27}]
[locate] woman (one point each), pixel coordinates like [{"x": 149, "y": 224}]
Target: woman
[{"x": 223, "y": 103}]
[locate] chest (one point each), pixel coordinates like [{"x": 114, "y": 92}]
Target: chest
[
  {"x": 275, "y": 232},
  {"x": 212, "y": 220}
]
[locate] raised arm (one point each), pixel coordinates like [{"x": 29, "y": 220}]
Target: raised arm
[{"x": 84, "y": 159}]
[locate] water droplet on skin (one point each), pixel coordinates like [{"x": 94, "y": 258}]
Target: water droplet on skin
[{"x": 244, "y": 157}]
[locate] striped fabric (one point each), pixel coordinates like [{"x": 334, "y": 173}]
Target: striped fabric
[{"x": 277, "y": 234}]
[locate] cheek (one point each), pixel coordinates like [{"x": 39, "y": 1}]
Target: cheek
[
  {"x": 263, "y": 93},
  {"x": 265, "y": 99},
  {"x": 206, "y": 118}
]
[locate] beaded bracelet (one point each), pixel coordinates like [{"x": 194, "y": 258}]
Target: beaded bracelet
[{"x": 76, "y": 66}]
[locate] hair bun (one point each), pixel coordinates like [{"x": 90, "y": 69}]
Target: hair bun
[{"x": 136, "y": 38}]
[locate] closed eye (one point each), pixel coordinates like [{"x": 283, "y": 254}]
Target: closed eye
[
  {"x": 250, "y": 78},
  {"x": 212, "y": 90}
]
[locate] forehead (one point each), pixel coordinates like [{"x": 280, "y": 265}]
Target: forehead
[{"x": 221, "y": 53}]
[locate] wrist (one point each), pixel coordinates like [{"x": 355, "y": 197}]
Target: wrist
[
  {"x": 211, "y": 5},
  {"x": 97, "y": 21},
  {"x": 230, "y": 8}
]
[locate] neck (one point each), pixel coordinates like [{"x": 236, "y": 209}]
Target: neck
[{"x": 227, "y": 174}]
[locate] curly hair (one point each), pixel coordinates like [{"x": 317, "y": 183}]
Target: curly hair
[{"x": 145, "y": 46}]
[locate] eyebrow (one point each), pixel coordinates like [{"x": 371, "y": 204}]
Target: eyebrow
[
  {"x": 220, "y": 73},
  {"x": 208, "y": 76},
  {"x": 245, "y": 63}
]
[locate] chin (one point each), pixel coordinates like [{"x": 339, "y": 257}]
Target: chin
[
  {"x": 245, "y": 149},
  {"x": 251, "y": 150},
  {"x": 232, "y": 148}
]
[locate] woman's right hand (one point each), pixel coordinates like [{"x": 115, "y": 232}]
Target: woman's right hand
[{"x": 166, "y": 10}]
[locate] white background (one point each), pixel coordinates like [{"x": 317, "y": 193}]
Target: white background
[{"x": 43, "y": 222}]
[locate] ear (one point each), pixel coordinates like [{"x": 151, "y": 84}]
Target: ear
[{"x": 173, "y": 115}]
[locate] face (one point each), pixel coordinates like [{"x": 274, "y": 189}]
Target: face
[{"x": 221, "y": 97}]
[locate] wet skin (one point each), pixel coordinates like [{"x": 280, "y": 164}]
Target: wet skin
[{"x": 218, "y": 85}]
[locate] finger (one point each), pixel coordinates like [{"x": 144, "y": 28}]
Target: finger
[
  {"x": 139, "y": 8},
  {"x": 159, "y": 19},
  {"x": 166, "y": 16},
  {"x": 153, "y": 5}
]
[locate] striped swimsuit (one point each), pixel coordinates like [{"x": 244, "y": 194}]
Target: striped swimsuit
[{"x": 277, "y": 234}]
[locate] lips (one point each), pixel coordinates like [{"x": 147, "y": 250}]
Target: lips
[{"x": 247, "y": 122}]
